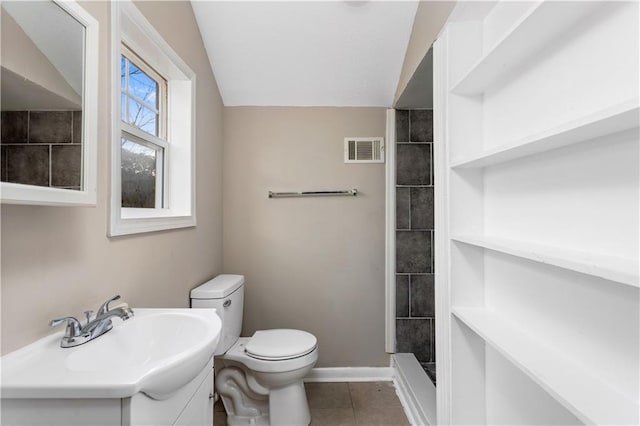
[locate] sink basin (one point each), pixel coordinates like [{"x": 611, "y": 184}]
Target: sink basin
[{"x": 156, "y": 352}]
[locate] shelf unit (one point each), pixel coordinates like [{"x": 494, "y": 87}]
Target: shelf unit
[
  {"x": 537, "y": 122},
  {"x": 617, "y": 118},
  {"x": 522, "y": 41},
  {"x": 584, "y": 395},
  {"x": 610, "y": 268}
]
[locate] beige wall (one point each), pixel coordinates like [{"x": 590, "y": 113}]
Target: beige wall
[
  {"x": 311, "y": 263},
  {"x": 430, "y": 17},
  {"x": 58, "y": 261}
]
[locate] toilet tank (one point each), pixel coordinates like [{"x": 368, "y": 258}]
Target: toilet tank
[{"x": 225, "y": 293}]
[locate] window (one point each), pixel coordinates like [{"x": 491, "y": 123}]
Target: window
[
  {"x": 153, "y": 168},
  {"x": 143, "y": 123}
]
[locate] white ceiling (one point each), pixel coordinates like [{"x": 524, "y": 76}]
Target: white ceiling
[{"x": 302, "y": 53}]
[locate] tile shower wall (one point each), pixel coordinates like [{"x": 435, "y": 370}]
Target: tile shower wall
[
  {"x": 42, "y": 148},
  {"x": 415, "y": 316}
]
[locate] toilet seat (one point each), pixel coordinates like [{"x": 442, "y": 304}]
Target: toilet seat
[
  {"x": 280, "y": 344},
  {"x": 238, "y": 354}
]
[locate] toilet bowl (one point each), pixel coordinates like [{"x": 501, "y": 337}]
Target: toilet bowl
[{"x": 259, "y": 378}]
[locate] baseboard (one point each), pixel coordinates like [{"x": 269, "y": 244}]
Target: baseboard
[
  {"x": 415, "y": 390},
  {"x": 350, "y": 374}
]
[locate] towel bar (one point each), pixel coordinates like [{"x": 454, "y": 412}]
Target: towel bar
[{"x": 352, "y": 192}]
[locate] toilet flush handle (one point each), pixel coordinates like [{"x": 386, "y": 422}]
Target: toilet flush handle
[{"x": 226, "y": 303}]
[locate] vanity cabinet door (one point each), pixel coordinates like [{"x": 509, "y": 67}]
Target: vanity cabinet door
[{"x": 199, "y": 410}]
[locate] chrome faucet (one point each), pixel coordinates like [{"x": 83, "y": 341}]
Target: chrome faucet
[{"x": 75, "y": 334}]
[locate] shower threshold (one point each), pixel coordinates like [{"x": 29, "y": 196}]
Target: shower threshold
[{"x": 415, "y": 388}]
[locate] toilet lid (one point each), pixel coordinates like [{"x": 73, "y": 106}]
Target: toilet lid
[{"x": 280, "y": 344}]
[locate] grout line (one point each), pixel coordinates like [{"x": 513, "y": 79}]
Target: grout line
[
  {"x": 414, "y": 318},
  {"x": 414, "y": 273},
  {"x": 409, "y": 208},
  {"x": 409, "y": 296}
]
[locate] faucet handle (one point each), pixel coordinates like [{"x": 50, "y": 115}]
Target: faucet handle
[
  {"x": 73, "y": 326},
  {"x": 105, "y": 306},
  {"x": 87, "y": 315}
]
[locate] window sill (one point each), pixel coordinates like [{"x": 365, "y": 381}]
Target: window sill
[{"x": 142, "y": 224}]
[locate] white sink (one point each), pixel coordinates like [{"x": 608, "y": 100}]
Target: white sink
[{"x": 157, "y": 352}]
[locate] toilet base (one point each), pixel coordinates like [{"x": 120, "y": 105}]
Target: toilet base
[
  {"x": 288, "y": 406},
  {"x": 282, "y": 406},
  {"x": 248, "y": 421}
]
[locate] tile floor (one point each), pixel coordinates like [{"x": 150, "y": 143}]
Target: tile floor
[{"x": 347, "y": 404}]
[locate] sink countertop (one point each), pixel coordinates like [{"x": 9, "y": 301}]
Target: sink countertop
[{"x": 157, "y": 351}]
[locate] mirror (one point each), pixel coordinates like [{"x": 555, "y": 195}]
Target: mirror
[{"x": 48, "y": 102}]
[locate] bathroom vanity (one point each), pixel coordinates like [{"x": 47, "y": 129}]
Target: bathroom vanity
[
  {"x": 189, "y": 406},
  {"x": 154, "y": 369}
]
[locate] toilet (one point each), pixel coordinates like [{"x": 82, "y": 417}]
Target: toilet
[{"x": 259, "y": 378}]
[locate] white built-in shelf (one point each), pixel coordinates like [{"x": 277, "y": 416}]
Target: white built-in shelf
[
  {"x": 621, "y": 270},
  {"x": 541, "y": 26},
  {"x": 586, "y": 396},
  {"x": 614, "y": 119}
]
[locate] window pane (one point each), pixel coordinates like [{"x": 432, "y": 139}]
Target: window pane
[
  {"x": 139, "y": 164},
  {"x": 142, "y": 86},
  {"x": 143, "y": 118}
]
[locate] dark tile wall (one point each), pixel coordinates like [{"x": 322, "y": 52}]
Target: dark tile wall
[
  {"x": 415, "y": 315},
  {"x": 42, "y": 148}
]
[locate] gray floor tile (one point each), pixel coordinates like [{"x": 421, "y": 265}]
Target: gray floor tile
[
  {"x": 332, "y": 417},
  {"x": 218, "y": 406},
  {"x": 374, "y": 403},
  {"x": 381, "y": 415},
  {"x": 220, "y": 418},
  {"x": 328, "y": 395},
  {"x": 373, "y": 394}
]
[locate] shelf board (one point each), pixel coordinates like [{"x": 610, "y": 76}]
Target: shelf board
[
  {"x": 587, "y": 397},
  {"x": 540, "y": 27},
  {"x": 621, "y": 270},
  {"x": 617, "y": 118}
]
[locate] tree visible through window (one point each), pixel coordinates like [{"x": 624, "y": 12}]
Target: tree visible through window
[{"x": 143, "y": 123}]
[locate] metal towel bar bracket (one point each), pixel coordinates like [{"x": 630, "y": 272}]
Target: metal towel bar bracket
[{"x": 352, "y": 192}]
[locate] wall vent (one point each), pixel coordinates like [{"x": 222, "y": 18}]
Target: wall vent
[{"x": 364, "y": 150}]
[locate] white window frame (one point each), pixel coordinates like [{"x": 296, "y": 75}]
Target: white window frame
[{"x": 131, "y": 28}]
